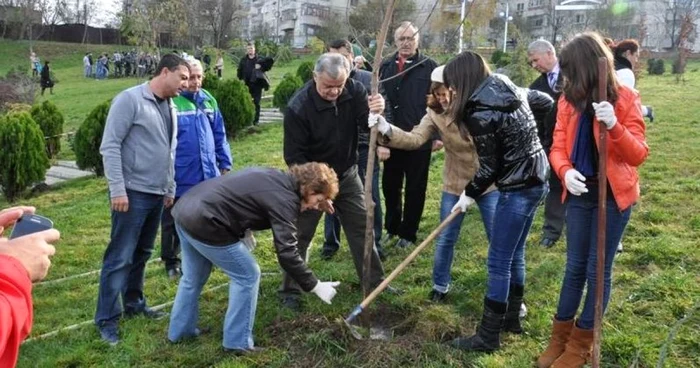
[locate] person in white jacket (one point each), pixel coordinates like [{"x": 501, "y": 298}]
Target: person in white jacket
[{"x": 626, "y": 56}]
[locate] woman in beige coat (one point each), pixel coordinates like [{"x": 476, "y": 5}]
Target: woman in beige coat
[{"x": 461, "y": 163}]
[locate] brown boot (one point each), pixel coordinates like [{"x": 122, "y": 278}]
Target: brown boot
[
  {"x": 557, "y": 343},
  {"x": 578, "y": 349}
]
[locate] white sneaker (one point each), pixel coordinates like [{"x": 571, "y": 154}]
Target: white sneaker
[{"x": 523, "y": 310}]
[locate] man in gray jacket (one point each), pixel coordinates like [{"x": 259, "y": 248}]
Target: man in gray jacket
[{"x": 138, "y": 148}]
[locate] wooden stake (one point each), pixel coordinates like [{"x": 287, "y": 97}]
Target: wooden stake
[
  {"x": 369, "y": 203},
  {"x": 602, "y": 204}
]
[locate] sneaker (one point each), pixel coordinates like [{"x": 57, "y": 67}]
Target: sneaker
[
  {"x": 403, "y": 243},
  {"x": 547, "y": 242},
  {"x": 327, "y": 254},
  {"x": 109, "y": 334},
  {"x": 292, "y": 303},
  {"x": 146, "y": 312},
  {"x": 523, "y": 310},
  {"x": 619, "y": 247},
  {"x": 244, "y": 352},
  {"x": 437, "y": 296},
  {"x": 174, "y": 273},
  {"x": 650, "y": 114}
]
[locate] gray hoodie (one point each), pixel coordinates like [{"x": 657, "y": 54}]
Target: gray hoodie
[{"x": 136, "y": 150}]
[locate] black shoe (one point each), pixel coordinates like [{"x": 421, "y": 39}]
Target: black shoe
[
  {"x": 174, "y": 273},
  {"x": 292, "y": 303},
  {"x": 487, "y": 337},
  {"x": 511, "y": 322},
  {"x": 403, "y": 243},
  {"x": 146, "y": 312},
  {"x": 548, "y": 242},
  {"x": 327, "y": 254},
  {"x": 109, "y": 334},
  {"x": 244, "y": 352},
  {"x": 650, "y": 114},
  {"x": 436, "y": 296}
]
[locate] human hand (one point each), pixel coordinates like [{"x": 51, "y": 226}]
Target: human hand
[
  {"x": 224, "y": 171},
  {"x": 10, "y": 215},
  {"x": 326, "y": 290},
  {"x": 32, "y": 251},
  {"x": 249, "y": 240},
  {"x": 383, "y": 153},
  {"x": 327, "y": 206},
  {"x": 168, "y": 202},
  {"x": 605, "y": 113},
  {"x": 120, "y": 204},
  {"x": 382, "y": 125},
  {"x": 376, "y": 104},
  {"x": 575, "y": 182},
  {"x": 257, "y": 66},
  {"x": 463, "y": 203},
  {"x": 437, "y": 145}
]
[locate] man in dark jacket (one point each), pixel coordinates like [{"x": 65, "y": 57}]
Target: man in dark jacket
[
  {"x": 332, "y": 224},
  {"x": 542, "y": 56},
  {"x": 215, "y": 220},
  {"x": 321, "y": 124},
  {"x": 251, "y": 71},
  {"x": 406, "y": 97}
]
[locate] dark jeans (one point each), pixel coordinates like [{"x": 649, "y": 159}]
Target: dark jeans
[
  {"x": 169, "y": 241},
  {"x": 581, "y": 257},
  {"x": 412, "y": 165},
  {"x": 124, "y": 264},
  {"x": 511, "y": 225},
  {"x": 332, "y": 224},
  {"x": 350, "y": 208},
  {"x": 554, "y": 210},
  {"x": 255, "y": 91}
]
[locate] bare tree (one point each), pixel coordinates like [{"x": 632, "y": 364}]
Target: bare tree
[
  {"x": 677, "y": 14},
  {"x": 218, "y": 15}
]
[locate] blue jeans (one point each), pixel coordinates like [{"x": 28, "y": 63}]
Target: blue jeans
[
  {"x": 124, "y": 264},
  {"x": 331, "y": 223},
  {"x": 511, "y": 225},
  {"x": 444, "y": 250},
  {"x": 581, "y": 257},
  {"x": 240, "y": 266}
]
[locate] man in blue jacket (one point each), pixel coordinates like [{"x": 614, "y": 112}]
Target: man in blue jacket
[{"x": 202, "y": 153}]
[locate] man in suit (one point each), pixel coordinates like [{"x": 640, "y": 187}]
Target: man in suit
[
  {"x": 542, "y": 56},
  {"x": 249, "y": 69}
]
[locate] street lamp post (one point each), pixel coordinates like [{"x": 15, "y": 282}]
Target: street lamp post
[{"x": 506, "y": 16}]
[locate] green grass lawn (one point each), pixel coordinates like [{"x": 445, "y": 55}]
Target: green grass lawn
[{"x": 656, "y": 279}]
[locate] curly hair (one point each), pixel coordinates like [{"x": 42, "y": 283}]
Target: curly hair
[{"x": 315, "y": 178}]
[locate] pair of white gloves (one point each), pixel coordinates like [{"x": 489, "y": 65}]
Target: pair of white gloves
[
  {"x": 324, "y": 290},
  {"x": 574, "y": 180},
  {"x": 382, "y": 125}
]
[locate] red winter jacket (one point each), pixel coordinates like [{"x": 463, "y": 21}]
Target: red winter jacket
[
  {"x": 627, "y": 146},
  {"x": 15, "y": 309}
]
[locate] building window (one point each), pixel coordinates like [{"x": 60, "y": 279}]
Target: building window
[
  {"x": 535, "y": 3},
  {"x": 579, "y": 18},
  {"x": 353, "y": 2},
  {"x": 323, "y": 12}
]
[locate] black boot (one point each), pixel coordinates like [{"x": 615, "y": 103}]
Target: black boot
[
  {"x": 487, "y": 333},
  {"x": 515, "y": 300}
]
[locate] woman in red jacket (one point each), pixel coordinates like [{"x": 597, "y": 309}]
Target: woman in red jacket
[{"x": 574, "y": 158}]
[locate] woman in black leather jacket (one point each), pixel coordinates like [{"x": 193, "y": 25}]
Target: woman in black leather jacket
[{"x": 499, "y": 117}]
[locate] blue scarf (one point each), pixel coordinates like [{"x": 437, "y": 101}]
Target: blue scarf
[{"x": 584, "y": 153}]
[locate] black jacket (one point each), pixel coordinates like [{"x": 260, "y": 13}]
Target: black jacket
[
  {"x": 499, "y": 119},
  {"x": 365, "y": 78},
  {"x": 246, "y": 68},
  {"x": 406, "y": 96},
  {"x": 218, "y": 211},
  {"x": 323, "y": 131},
  {"x": 546, "y": 122}
]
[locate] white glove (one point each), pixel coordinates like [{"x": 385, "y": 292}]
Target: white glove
[
  {"x": 325, "y": 290},
  {"x": 575, "y": 182},
  {"x": 382, "y": 126},
  {"x": 605, "y": 112},
  {"x": 463, "y": 203},
  {"x": 249, "y": 240}
]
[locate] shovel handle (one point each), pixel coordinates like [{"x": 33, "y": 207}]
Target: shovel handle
[{"x": 406, "y": 261}]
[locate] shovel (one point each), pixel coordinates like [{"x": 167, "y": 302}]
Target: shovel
[{"x": 378, "y": 290}]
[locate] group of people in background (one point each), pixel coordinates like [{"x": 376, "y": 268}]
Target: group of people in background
[
  {"x": 507, "y": 150},
  {"x": 121, "y": 64}
]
